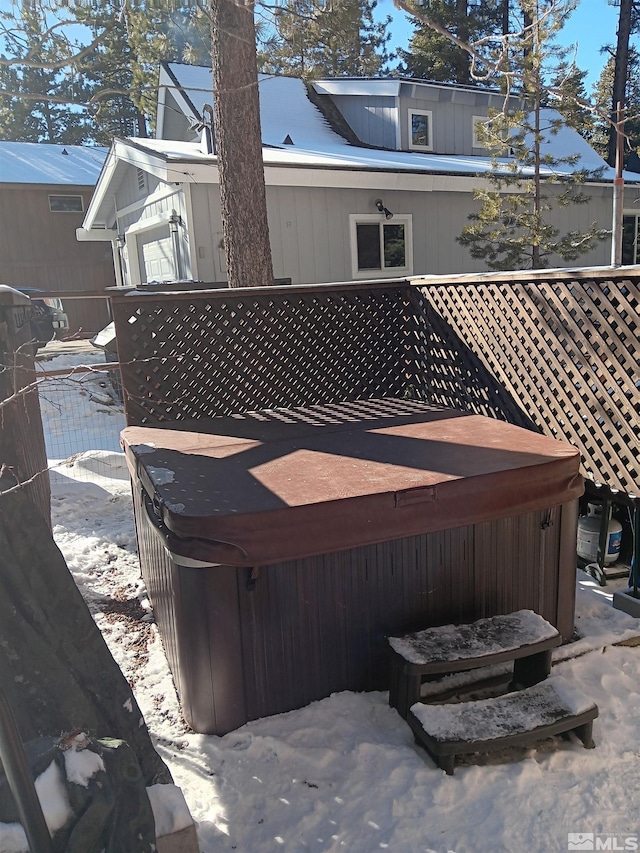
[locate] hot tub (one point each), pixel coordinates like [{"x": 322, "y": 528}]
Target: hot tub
[{"x": 279, "y": 548}]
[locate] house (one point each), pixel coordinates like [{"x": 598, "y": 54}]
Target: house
[
  {"x": 365, "y": 179},
  {"x": 45, "y": 191}
]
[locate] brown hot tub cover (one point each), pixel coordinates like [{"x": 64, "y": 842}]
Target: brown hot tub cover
[{"x": 266, "y": 487}]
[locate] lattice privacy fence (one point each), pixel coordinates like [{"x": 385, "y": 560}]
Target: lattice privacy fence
[
  {"x": 563, "y": 346},
  {"x": 555, "y": 352},
  {"x": 192, "y": 355}
]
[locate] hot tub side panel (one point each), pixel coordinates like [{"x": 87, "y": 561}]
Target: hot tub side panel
[
  {"x": 243, "y": 645},
  {"x": 197, "y": 612}
]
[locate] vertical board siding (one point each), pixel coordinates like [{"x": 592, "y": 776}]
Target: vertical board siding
[
  {"x": 372, "y": 119},
  {"x": 243, "y": 648},
  {"x": 39, "y": 250}
]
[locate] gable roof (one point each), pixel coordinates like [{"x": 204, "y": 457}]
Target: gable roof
[{"x": 47, "y": 163}]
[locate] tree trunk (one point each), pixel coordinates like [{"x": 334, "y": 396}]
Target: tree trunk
[
  {"x": 620, "y": 75},
  {"x": 55, "y": 669},
  {"x": 239, "y": 144}
]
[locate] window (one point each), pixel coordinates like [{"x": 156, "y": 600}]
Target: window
[
  {"x": 66, "y": 204},
  {"x": 631, "y": 239},
  {"x": 380, "y": 247},
  {"x": 479, "y": 129},
  {"x": 420, "y": 130}
]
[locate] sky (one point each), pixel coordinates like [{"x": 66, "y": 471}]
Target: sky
[
  {"x": 592, "y": 25},
  {"x": 344, "y": 773}
]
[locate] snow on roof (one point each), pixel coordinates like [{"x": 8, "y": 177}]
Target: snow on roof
[
  {"x": 285, "y": 109},
  {"x": 46, "y": 163},
  {"x": 561, "y": 141},
  {"x": 358, "y": 86},
  {"x": 341, "y": 155}
]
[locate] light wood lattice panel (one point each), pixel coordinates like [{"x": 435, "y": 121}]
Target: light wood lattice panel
[
  {"x": 204, "y": 354},
  {"x": 565, "y": 348}
]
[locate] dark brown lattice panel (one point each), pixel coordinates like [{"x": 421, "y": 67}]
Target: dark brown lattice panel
[
  {"x": 204, "y": 354},
  {"x": 566, "y": 348}
]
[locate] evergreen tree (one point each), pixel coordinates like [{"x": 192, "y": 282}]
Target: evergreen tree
[
  {"x": 79, "y": 71},
  {"x": 36, "y": 90},
  {"x": 337, "y": 39},
  {"x": 600, "y": 136},
  {"x": 513, "y": 228},
  {"x": 572, "y": 100},
  {"x": 433, "y": 56}
]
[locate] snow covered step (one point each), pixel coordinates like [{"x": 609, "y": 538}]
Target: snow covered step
[
  {"x": 521, "y": 718},
  {"x": 523, "y": 636}
]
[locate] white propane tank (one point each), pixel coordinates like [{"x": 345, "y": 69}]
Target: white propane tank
[{"x": 589, "y": 535}]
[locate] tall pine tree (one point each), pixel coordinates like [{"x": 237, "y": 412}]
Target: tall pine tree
[
  {"x": 337, "y": 38},
  {"x": 514, "y": 226},
  {"x": 80, "y": 71},
  {"x": 38, "y": 84},
  {"x": 600, "y": 136},
  {"x": 433, "y": 56}
]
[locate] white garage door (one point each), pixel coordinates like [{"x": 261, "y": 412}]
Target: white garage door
[{"x": 157, "y": 262}]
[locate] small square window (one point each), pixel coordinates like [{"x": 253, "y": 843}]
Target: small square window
[
  {"x": 66, "y": 204},
  {"x": 381, "y": 247},
  {"x": 420, "y": 130}
]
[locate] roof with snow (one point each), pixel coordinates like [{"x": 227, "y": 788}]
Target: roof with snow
[
  {"x": 287, "y": 112},
  {"x": 333, "y": 152},
  {"x": 46, "y": 163},
  {"x": 285, "y": 108}
]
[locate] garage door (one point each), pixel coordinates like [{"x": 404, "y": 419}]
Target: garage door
[{"x": 155, "y": 249}]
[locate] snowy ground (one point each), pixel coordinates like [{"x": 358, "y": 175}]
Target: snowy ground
[{"x": 344, "y": 773}]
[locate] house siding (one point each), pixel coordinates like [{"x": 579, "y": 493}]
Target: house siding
[
  {"x": 372, "y": 119},
  {"x": 38, "y": 249},
  {"x": 156, "y": 212},
  {"x": 452, "y": 110},
  {"x": 309, "y": 230}
]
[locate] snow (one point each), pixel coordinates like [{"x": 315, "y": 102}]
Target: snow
[
  {"x": 513, "y": 713},
  {"x": 344, "y": 773},
  {"x": 81, "y": 764},
  {"x": 484, "y": 637},
  {"x": 55, "y": 806},
  {"x": 46, "y": 163},
  {"x": 170, "y": 809},
  {"x": 338, "y": 154},
  {"x": 285, "y": 110}
]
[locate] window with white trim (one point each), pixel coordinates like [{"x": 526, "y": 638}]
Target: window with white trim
[
  {"x": 479, "y": 129},
  {"x": 420, "y": 130},
  {"x": 381, "y": 247}
]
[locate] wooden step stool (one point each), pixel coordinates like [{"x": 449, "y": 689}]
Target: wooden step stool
[
  {"x": 551, "y": 707},
  {"x": 523, "y": 637}
]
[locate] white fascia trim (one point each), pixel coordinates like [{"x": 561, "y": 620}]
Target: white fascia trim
[
  {"x": 162, "y": 97},
  {"x": 101, "y": 190},
  {"x": 284, "y": 176},
  {"x": 149, "y": 224},
  {"x": 146, "y": 160},
  {"x": 159, "y": 194},
  {"x": 96, "y": 235}
]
